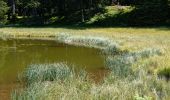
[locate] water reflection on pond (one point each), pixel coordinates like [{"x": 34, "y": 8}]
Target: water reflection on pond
[{"x": 15, "y": 55}]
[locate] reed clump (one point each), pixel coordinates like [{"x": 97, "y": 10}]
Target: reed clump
[
  {"x": 52, "y": 81},
  {"x": 46, "y": 72}
]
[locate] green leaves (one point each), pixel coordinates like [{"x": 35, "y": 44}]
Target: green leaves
[{"x": 3, "y": 10}]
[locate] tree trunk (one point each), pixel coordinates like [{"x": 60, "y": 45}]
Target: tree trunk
[
  {"x": 82, "y": 11},
  {"x": 13, "y": 7},
  {"x": 82, "y": 15},
  {"x": 11, "y": 4}
]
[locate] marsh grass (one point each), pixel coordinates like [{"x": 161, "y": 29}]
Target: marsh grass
[
  {"x": 79, "y": 87},
  {"x": 106, "y": 45},
  {"x": 45, "y": 79},
  {"x": 128, "y": 79},
  {"x": 89, "y": 41},
  {"x": 140, "y": 86},
  {"x": 46, "y": 72}
]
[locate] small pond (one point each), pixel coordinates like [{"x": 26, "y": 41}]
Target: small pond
[{"x": 16, "y": 55}]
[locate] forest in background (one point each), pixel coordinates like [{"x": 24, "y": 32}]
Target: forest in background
[{"x": 86, "y": 12}]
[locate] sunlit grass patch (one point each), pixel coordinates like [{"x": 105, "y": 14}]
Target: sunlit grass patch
[
  {"x": 74, "y": 89},
  {"x": 140, "y": 85},
  {"x": 89, "y": 41}
]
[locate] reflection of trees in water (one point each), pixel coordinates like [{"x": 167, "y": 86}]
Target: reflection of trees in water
[{"x": 4, "y": 51}]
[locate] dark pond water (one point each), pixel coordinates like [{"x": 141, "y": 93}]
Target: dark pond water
[{"x": 16, "y": 55}]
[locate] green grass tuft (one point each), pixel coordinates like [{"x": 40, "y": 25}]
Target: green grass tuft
[{"x": 47, "y": 72}]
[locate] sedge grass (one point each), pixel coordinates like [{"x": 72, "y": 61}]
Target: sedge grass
[
  {"x": 141, "y": 86},
  {"x": 46, "y": 72}
]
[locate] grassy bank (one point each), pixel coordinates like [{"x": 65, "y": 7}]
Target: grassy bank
[
  {"x": 130, "y": 38},
  {"x": 134, "y": 56}
]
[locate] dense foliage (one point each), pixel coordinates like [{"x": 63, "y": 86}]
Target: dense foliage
[
  {"x": 3, "y": 10},
  {"x": 146, "y": 12}
]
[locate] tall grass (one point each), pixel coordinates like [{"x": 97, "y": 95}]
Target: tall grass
[
  {"x": 140, "y": 86},
  {"x": 79, "y": 87},
  {"x": 46, "y": 72},
  {"x": 45, "y": 79}
]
